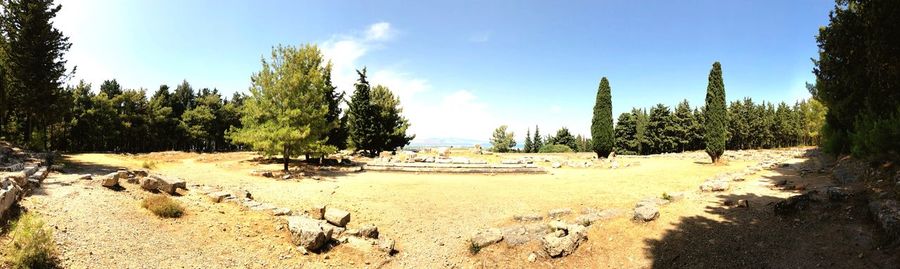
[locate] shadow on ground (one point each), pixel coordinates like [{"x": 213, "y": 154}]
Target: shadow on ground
[{"x": 818, "y": 234}]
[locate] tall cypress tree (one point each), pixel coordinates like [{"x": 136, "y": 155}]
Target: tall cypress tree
[
  {"x": 537, "y": 142},
  {"x": 361, "y": 114},
  {"x": 528, "y": 146},
  {"x": 602, "y": 134},
  {"x": 715, "y": 123}
]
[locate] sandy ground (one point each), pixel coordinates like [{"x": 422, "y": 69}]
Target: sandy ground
[{"x": 432, "y": 215}]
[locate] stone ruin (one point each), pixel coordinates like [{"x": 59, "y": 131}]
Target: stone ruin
[{"x": 20, "y": 172}]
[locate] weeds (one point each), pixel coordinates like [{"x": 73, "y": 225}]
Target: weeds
[
  {"x": 163, "y": 206},
  {"x": 30, "y": 245}
]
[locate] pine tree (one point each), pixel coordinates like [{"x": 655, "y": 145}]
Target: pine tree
[
  {"x": 362, "y": 116},
  {"x": 645, "y": 145},
  {"x": 660, "y": 129},
  {"x": 626, "y": 134},
  {"x": 715, "y": 123},
  {"x": 684, "y": 119},
  {"x": 528, "y": 146},
  {"x": 502, "y": 141},
  {"x": 602, "y": 135},
  {"x": 538, "y": 143},
  {"x": 391, "y": 125},
  {"x": 338, "y": 134},
  {"x": 286, "y": 116},
  {"x": 34, "y": 66},
  {"x": 374, "y": 118}
]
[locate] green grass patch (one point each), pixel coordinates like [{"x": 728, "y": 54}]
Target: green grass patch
[{"x": 30, "y": 245}]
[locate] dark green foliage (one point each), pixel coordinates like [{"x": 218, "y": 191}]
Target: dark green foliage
[
  {"x": 538, "y": 141},
  {"x": 374, "y": 119},
  {"x": 661, "y": 130},
  {"x": 555, "y": 148},
  {"x": 858, "y": 77},
  {"x": 528, "y": 146},
  {"x": 563, "y": 137},
  {"x": 626, "y": 134},
  {"x": 715, "y": 131},
  {"x": 338, "y": 134},
  {"x": 602, "y": 134},
  {"x": 683, "y": 124},
  {"x": 583, "y": 144},
  {"x": 111, "y": 88},
  {"x": 34, "y": 69}
]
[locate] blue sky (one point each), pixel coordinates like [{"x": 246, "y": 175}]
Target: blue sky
[{"x": 462, "y": 68}]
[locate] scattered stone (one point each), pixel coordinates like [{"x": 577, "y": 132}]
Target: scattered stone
[
  {"x": 169, "y": 184},
  {"x": 516, "y": 235},
  {"x": 307, "y": 233},
  {"x": 337, "y": 217},
  {"x": 140, "y": 173},
  {"x": 110, "y": 180},
  {"x": 654, "y": 201},
  {"x": 219, "y": 196},
  {"x": 85, "y": 177},
  {"x": 887, "y": 215},
  {"x": 368, "y": 230},
  {"x": 556, "y": 165},
  {"x": 532, "y": 257},
  {"x": 386, "y": 245},
  {"x": 563, "y": 240},
  {"x": 243, "y": 194},
  {"x": 510, "y": 161},
  {"x": 793, "y": 204},
  {"x": 837, "y": 194},
  {"x": 647, "y": 212},
  {"x": 714, "y": 185},
  {"x": 486, "y": 237},
  {"x": 317, "y": 212},
  {"x": 443, "y": 152},
  {"x": 555, "y": 213},
  {"x": 587, "y": 219},
  {"x": 281, "y": 212},
  {"x": 148, "y": 183},
  {"x": 528, "y": 217}
]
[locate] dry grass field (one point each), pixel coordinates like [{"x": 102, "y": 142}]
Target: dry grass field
[{"x": 431, "y": 216}]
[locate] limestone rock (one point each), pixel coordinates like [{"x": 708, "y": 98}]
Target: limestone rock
[
  {"x": 307, "y": 233},
  {"x": 564, "y": 240},
  {"x": 556, "y": 165},
  {"x": 170, "y": 184},
  {"x": 714, "y": 185},
  {"x": 368, "y": 230},
  {"x": 110, "y": 180},
  {"x": 219, "y": 196},
  {"x": 337, "y": 217},
  {"x": 528, "y": 217},
  {"x": 887, "y": 216},
  {"x": 646, "y": 212},
  {"x": 555, "y": 213},
  {"x": 148, "y": 183},
  {"x": 281, "y": 212},
  {"x": 317, "y": 212},
  {"x": 386, "y": 245},
  {"x": 486, "y": 237}
]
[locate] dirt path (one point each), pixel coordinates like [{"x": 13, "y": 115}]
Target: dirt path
[{"x": 432, "y": 216}]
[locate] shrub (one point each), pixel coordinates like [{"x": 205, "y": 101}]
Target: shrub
[
  {"x": 30, "y": 245},
  {"x": 666, "y": 196},
  {"x": 163, "y": 206},
  {"x": 555, "y": 148},
  {"x": 474, "y": 248},
  {"x": 148, "y": 165}
]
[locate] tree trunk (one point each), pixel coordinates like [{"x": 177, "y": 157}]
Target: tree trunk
[{"x": 287, "y": 159}]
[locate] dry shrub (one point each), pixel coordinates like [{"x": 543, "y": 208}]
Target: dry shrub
[
  {"x": 163, "y": 206},
  {"x": 149, "y": 165},
  {"x": 30, "y": 245}
]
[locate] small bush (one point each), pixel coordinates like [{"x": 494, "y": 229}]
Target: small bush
[
  {"x": 148, "y": 165},
  {"x": 163, "y": 206},
  {"x": 555, "y": 148},
  {"x": 30, "y": 245},
  {"x": 474, "y": 248},
  {"x": 666, "y": 196}
]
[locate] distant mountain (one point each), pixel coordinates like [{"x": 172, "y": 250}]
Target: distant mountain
[{"x": 447, "y": 142}]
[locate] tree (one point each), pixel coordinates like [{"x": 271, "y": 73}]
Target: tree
[
  {"x": 391, "y": 125},
  {"x": 626, "y": 134},
  {"x": 602, "y": 134},
  {"x": 285, "y": 113},
  {"x": 683, "y": 122},
  {"x": 338, "y": 134},
  {"x": 502, "y": 141},
  {"x": 660, "y": 130},
  {"x": 528, "y": 147},
  {"x": 34, "y": 62},
  {"x": 715, "y": 122},
  {"x": 857, "y": 78},
  {"x": 538, "y": 142},
  {"x": 645, "y": 145},
  {"x": 563, "y": 137},
  {"x": 111, "y": 88}
]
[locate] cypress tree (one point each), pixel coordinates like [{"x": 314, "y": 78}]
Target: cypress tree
[
  {"x": 714, "y": 129},
  {"x": 602, "y": 134},
  {"x": 537, "y": 143},
  {"x": 528, "y": 146}
]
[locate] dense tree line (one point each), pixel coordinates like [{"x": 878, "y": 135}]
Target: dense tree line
[
  {"x": 749, "y": 125},
  {"x": 858, "y": 78}
]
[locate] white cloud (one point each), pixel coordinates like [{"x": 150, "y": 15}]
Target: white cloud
[
  {"x": 379, "y": 32},
  {"x": 459, "y": 114}
]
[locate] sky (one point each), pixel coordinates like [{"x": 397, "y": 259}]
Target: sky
[{"x": 462, "y": 68}]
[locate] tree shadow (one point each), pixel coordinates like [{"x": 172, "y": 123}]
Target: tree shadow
[
  {"x": 72, "y": 166},
  {"x": 818, "y": 232}
]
